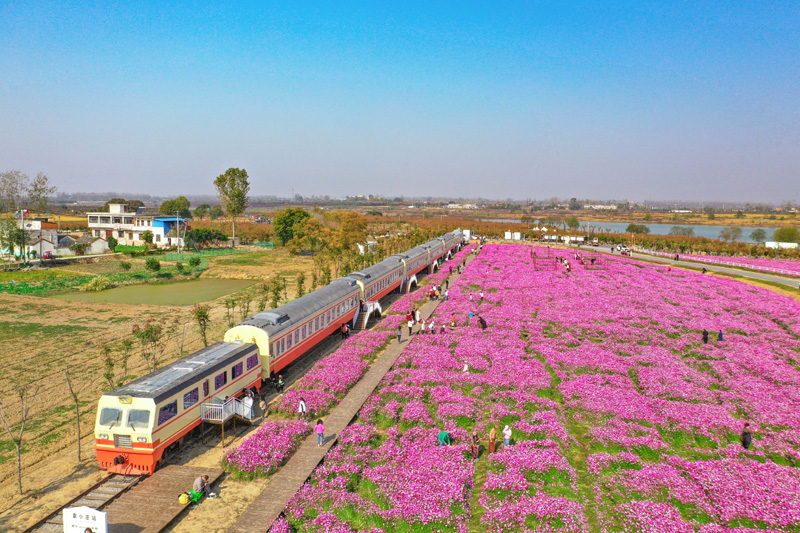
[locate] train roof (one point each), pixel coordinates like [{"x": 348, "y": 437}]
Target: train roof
[
  {"x": 417, "y": 251},
  {"x": 376, "y": 271},
  {"x": 175, "y": 376},
  {"x": 276, "y": 320},
  {"x": 438, "y": 241}
]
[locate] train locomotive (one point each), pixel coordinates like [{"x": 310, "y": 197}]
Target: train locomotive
[{"x": 138, "y": 423}]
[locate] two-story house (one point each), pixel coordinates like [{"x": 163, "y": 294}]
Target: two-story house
[{"x": 128, "y": 227}]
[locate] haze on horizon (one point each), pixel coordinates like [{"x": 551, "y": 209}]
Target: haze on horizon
[{"x": 639, "y": 100}]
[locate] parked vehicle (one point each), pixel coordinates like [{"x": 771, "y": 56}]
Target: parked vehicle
[
  {"x": 49, "y": 255},
  {"x": 595, "y": 242}
]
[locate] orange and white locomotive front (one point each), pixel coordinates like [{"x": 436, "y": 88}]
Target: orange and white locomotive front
[{"x": 123, "y": 435}]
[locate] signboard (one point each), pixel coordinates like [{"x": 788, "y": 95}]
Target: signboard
[{"x": 81, "y": 519}]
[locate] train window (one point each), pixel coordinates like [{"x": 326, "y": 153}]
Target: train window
[
  {"x": 303, "y": 334},
  {"x": 191, "y": 398},
  {"x": 237, "y": 370},
  {"x": 220, "y": 380},
  {"x": 205, "y": 388},
  {"x": 252, "y": 361},
  {"x": 316, "y": 323},
  {"x": 289, "y": 341},
  {"x": 296, "y": 336},
  {"x": 109, "y": 416},
  {"x": 141, "y": 417},
  {"x": 283, "y": 345},
  {"x": 165, "y": 413}
]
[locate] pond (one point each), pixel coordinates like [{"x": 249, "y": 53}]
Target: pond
[{"x": 178, "y": 293}]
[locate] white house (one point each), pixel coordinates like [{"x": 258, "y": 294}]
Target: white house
[{"x": 128, "y": 227}]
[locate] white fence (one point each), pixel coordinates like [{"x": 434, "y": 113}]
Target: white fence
[{"x": 724, "y": 262}]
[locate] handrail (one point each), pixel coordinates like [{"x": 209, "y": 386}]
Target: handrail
[{"x": 212, "y": 411}]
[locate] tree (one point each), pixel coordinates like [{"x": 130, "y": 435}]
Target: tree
[
  {"x": 79, "y": 247},
  {"x": 573, "y": 223},
  {"x": 13, "y": 187},
  {"x": 201, "y": 211},
  {"x": 26, "y": 400},
  {"x": 287, "y": 221},
  {"x": 179, "y": 205},
  {"x": 201, "y": 316},
  {"x": 108, "y": 364},
  {"x": 574, "y": 205},
  {"x": 125, "y": 348},
  {"x": 19, "y": 239},
  {"x": 39, "y": 192},
  {"x": 147, "y": 236},
  {"x": 731, "y": 234},
  {"x": 301, "y": 284},
  {"x": 637, "y": 228},
  {"x": 232, "y": 188},
  {"x": 150, "y": 336},
  {"x": 152, "y": 264},
  {"x": 787, "y": 235},
  {"x": 215, "y": 212},
  {"x": 105, "y": 208},
  {"x": 684, "y": 232},
  {"x": 112, "y": 243},
  {"x": 758, "y": 235}
]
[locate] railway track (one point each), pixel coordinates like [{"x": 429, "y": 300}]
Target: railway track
[{"x": 98, "y": 496}]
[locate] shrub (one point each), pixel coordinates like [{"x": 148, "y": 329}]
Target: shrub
[
  {"x": 125, "y": 266},
  {"x": 99, "y": 283},
  {"x": 194, "y": 261},
  {"x": 153, "y": 264},
  {"x": 179, "y": 266}
]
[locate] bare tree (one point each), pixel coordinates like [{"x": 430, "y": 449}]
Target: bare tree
[
  {"x": 126, "y": 347},
  {"x": 39, "y": 192},
  {"x": 74, "y": 393},
  {"x": 108, "y": 362},
  {"x": 27, "y": 397}
]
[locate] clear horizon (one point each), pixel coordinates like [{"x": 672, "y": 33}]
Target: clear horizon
[{"x": 638, "y": 101}]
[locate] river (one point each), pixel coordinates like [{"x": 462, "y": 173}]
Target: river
[{"x": 710, "y": 232}]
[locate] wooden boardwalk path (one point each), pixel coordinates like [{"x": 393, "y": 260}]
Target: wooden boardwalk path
[
  {"x": 269, "y": 505},
  {"x": 154, "y": 503}
]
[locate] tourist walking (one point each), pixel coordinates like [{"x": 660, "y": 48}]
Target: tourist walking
[
  {"x": 493, "y": 439},
  {"x": 719, "y": 336},
  {"x": 474, "y": 445},
  {"x": 416, "y": 316},
  {"x": 302, "y": 409},
  {"x": 247, "y": 403},
  {"x": 506, "y": 436},
  {"x": 319, "y": 429},
  {"x": 410, "y": 325},
  {"x": 344, "y": 331},
  {"x": 399, "y": 333},
  {"x": 431, "y": 327},
  {"x": 281, "y": 384},
  {"x": 446, "y": 294},
  {"x": 705, "y": 336}
]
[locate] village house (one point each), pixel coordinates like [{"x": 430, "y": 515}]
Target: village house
[{"x": 127, "y": 227}]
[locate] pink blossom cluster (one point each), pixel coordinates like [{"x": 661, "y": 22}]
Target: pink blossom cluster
[{"x": 265, "y": 450}]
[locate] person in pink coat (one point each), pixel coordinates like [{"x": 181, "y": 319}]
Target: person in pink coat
[{"x": 319, "y": 429}]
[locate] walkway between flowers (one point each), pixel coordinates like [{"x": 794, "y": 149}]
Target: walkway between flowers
[{"x": 268, "y": 506}]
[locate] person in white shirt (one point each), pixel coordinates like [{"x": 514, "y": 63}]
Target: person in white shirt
[{"x": 302, "y": 409}]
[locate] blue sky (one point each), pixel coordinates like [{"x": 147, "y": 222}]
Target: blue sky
[{"x": 639, "y": 100}]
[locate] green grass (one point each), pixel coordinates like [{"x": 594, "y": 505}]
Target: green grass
[
  {"x": 35, "y": 275},
  {"x": 14, "y": 330}
]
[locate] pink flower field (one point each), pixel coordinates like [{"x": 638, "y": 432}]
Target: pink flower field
[
  {"x": 623, "y": 420},
  {"x": 786, "y": 267}
]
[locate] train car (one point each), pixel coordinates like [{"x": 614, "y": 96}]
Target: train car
[
  {"x": 379, "y": 280},
  {"x": 138, "y": 423},
  {"x": 453, "y": 240},
  {"x": 416, "y": 260},
  {"x": 436, "y": 247},
  {"x": 285, "y": 333}
]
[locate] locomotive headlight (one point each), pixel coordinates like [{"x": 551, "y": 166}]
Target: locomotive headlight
[
  {"x": 102, "y": 436},
  {"x": 141, "y": 439}
]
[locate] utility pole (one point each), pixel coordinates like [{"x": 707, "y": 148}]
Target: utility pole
[{"x": 178, "y": 218}]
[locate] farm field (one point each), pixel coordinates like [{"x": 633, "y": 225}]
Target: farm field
[
  {"x": 622, "y": 419},
  {"x": 40, "y": 337}
]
